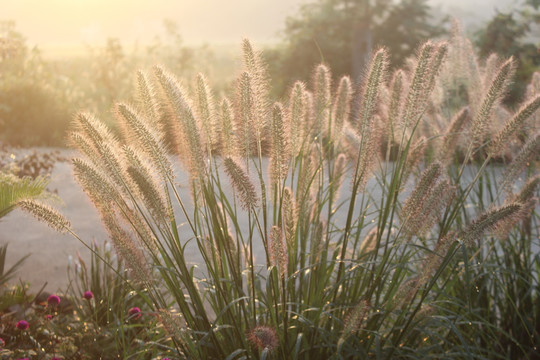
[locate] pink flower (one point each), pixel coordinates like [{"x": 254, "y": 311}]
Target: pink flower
[
  {"x": 53, "y": 300},
  {"x": 88, "y": 295},
  {"x": 22, "y": 325},
  {"x": 48, "y": 317},
  {"x": 135, "y": 312}
]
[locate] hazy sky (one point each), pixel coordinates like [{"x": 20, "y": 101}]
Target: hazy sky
[{"x": 74, "y": 22}]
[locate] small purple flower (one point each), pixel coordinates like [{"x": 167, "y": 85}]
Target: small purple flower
[
  {"x": 135, "y": 312},
  {"x": 53, "y": 300},
  {"x": 88, "y": 295},
  {"x": 22, "y": 325}
]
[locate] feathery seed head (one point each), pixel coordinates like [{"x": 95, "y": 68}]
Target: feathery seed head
[
  {"x": 145, "y": 139},
  {"x": 126, "y": 249},
  {"x": 491, "y": 220},
  {"x": 322, "y": 81},
  {"x": 528, "y": 190},
  {"x": 439, "y": 55},
  {"x": 279, "y": 256},
  {"x": 412, "y": 208},
  {"x": 206, "y": 111},
  {"x": 501, "y": 140},
  {"x": 415, "y": 156},
  {"x": 492, "y": 97},
  {"x": 256, "y": 67},
  {"x": 289, "y": 215},
  {"x": 451, "y": 137},
  {"x": 246, "y": 115},
  {"x": 189, "y": 131},
  {"x": 147, "y": 101},
  {"x": 227, "y": 129},
  {"x": 241, "y": 183},
  {"x": 521, "y": 160},
  {"x": 144, "y": 181},
  {"x": 396, "y": 103},
  {"x": 370, "y": 242},
  {"x": 353, "y": 321},
  {"x": 340, "y": 169},
  {"x": 296, "y": 115},
  {"x": 172, "y": 323},
  {"x": 342, "y": 107},
  {"x": 46, "y": 214},
  {"x": 416, "y": 97},
  {"x": 279, "y": 155},
  {"x": 371, "y": 90}
]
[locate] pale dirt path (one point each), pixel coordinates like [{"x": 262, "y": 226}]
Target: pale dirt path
[{"x": 50, "y": 250}]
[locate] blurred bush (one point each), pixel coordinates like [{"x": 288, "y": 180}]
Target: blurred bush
[
  {"x": 38, "y": 97},
  {"x": 34, "y": 106}
]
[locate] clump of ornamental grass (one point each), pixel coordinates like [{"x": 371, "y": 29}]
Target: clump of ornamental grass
[{"x": 287, "y": 232}]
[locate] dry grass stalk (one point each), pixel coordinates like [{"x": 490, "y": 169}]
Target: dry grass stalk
[
  {"x": 46, "y": 214},
  {"x": 452, "y": 135},
  {"x": 411, "y": 211},
  {"x": 241, "y": 183},
  {"x": 228, "y": 142},
  {"x": 492, "y": 97},
  {"x": 521, "y": 160},
  {"x": 147, "y": 100},
  {"x": 279, "y": 256},
  {"x": 322, "y": 81},
  {"x": 491, "y": 220},
  {"x": 279, "y": 153},
  {"x": 206, "y": 111},
  {"x": 500, "y": 142},
  {"x": 289, "y": 215},
  {"x": 149, "y": 142},
  {"x": 367, "y": 119},
  {"x": 296, "y": 115},
  {"x": 341, "y": 109},
  {"x": 185, "y": 117}
]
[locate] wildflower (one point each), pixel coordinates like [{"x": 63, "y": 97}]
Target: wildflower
[
  {"x": 2, "y": 343},
  {"x": 53, "y": 300},
  {"x": 135, "y": 312},
  {"x": 264, "y": 337},
  {"x": 22, "y": 325},
  {"x": 48, "y": 317},
  {"x": 88, "y": 295}
]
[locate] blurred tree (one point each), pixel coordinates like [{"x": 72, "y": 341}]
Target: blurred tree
[
  {"x": 12, "y": 43},
  {"x": 171, "y": 52},
  {"x": 509, "y": 34},
  {"x": 109, "y": 75},
  {"x": 342, "y": 33}
]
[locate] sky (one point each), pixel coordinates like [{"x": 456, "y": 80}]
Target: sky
[{"x": 61, "y": 23}]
